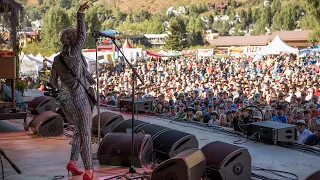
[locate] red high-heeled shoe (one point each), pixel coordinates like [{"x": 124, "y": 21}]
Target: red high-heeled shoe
[
  {"x": 71, "y": 168},
  {"x": 87, "y": 177}
]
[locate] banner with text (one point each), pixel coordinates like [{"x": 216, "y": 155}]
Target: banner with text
[
  {"x": 252, "y": 49},
  {"x": 205, "y": 53}
]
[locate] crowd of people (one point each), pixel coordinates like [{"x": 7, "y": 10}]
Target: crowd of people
[{"x": 225, "y": 91}]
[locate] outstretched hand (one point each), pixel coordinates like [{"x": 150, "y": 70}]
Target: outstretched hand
[{"x": 83, "y": 7}]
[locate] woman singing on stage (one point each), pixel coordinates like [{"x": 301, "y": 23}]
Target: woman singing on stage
[{"x": 74, "y": 100}]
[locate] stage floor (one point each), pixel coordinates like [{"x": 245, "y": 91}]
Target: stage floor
[{"x": 43, "y": 158}]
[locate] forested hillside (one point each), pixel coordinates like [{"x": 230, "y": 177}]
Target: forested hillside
[{"x": 194, "y": 17}]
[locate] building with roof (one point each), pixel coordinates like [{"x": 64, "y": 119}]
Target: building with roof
[{"x": 292, "y": 38}]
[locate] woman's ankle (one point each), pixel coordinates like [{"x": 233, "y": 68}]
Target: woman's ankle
[
  {"x": 73, "y": 162},
  {"x": 89, "y": 171}
]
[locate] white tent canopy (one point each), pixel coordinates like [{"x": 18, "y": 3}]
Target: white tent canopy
[{"x": 277, "y": 46}]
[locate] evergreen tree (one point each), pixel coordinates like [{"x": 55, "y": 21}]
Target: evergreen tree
[
  {"x": 66, "y": 4},
  {"x": 176, "y": 39},
  {"x": 197, "y": 38},
  {"x": 234, "y": 3},
  {"x": 288, "y": 18},
  {"x": 210, "y": 20},
  {"x": 249, "y": 17},
  {"x": 276, "y": 6},
  {"x": 277, "y": 21}
]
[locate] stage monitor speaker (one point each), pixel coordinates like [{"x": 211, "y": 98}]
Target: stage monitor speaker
[
  {"x": 227, "y": 161},
  {"x": 273, "y": 132},
  {"x": 187, "y": 165},
  {"x": 314, "y": 176},
  {"x": 115, "y": 150},
  {"x": 126, "y": 126},
  {"x": 65, "y": 120},
  {"x": 168, "y": 144},
  {"x": 42, "y": 104},
  {"x": 108, "y": 121},
  {"x": 47, "y": 124},
  {"x": 152, "y": 129},
  {"x": 141, "y": 105}
]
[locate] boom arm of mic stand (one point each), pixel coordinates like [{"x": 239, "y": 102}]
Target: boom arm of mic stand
[
  {"x": 12, "y": 164},
  {"x": 131, "y": 66}
]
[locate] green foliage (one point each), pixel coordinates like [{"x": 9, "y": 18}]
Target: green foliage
[
  {"x": 276, "y": 6},
  {"x": 92, "y": 24},
  {"x": 280, "y": 15},
  {"x": 55, "y": 20},
  {"x": 176, "y": 39},
  {"x": 36, "y": 47},
  {"x": 311, "y": 20},
  {"x": 65, "y": 4},
  {"x": 21, "y": 85}
]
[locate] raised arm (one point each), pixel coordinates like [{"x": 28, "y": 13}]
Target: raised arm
[{"x": 81, "y": 31}]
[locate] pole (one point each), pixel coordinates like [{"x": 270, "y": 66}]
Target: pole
[
  {"x": 132, "y": 168},
  {"x": 97, "y": 91}
]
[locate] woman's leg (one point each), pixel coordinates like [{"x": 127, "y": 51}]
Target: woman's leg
[
  {"x": 69, "y": 110},
  {"x": 83, "y": 123}
]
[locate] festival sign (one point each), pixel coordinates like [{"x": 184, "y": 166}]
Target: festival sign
[
  {"x": 234, "y": 51},
  {"x": 252, "y": 49},
  {"x": 189, "y": 52},
  {"x": 221, "y": 52},
  {"x": 205, "y": 53}
]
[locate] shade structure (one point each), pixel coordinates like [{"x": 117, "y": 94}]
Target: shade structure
[
  {"x": 153, "y": 54},
  {"x": 277, "y": 46},
  {"x": 111, "y": 32},
  {"x": 127, "y": 44}
]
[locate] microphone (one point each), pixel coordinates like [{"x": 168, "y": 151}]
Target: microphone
[{"x": 100, "y": 34}]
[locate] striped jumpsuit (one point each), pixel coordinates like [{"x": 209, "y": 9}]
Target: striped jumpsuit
[{"x": 76, "y": 105}]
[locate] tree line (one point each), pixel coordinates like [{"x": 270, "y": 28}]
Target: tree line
[{"x": 59, "y": 14}]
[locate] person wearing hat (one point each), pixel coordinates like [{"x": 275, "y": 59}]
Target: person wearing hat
[
  {"x": 190, "y": 113},
  {"x": 304, "y": 133},
  {"x": 181, "y": 112},
  {"x": 214, "y": 121},
  {"x": 307, "y": 115},
  {"x": 207, "y": 115},
  {"x": 257, "y": 116},
  {"x": 314, "y": 139},
  {"x": 172, "y": 111},
  {"x": 280, "y": 117}
]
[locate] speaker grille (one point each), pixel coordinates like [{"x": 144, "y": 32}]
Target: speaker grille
[
  {"x": 108, "y": 121},
  {"x": 115, "y": 150}
]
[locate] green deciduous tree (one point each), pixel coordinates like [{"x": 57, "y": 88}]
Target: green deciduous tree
[
  {"x": 54, "y": 20},
  {"x": 311, "y": 19},
  {"x": 92, "y": 24}
]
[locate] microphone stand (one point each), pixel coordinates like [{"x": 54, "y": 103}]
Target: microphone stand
[
  {"x": 96, "y": 36},
  {"x": 12, "y": 164},
  {"x": 97, "y": 90},
  {"x": 135, "y": 75}
]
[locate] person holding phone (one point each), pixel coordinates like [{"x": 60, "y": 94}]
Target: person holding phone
[{"x": 75, "y": 102}]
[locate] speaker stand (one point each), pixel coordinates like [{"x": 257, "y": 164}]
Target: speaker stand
[
  {"x": 11, "y": 163},
  {"x": 132, "y": 171}
]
